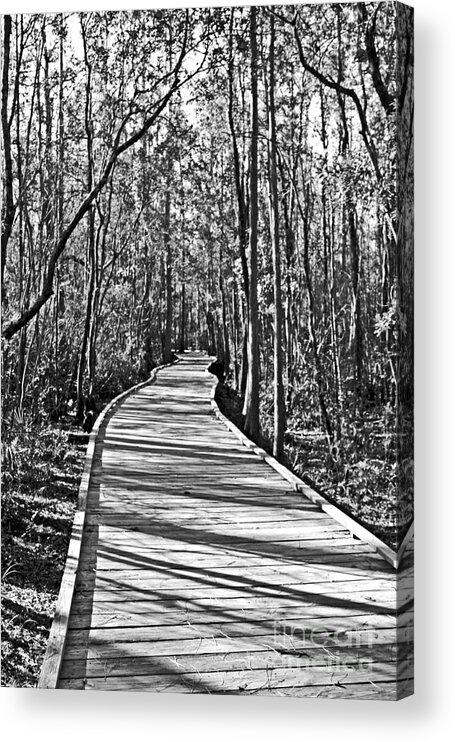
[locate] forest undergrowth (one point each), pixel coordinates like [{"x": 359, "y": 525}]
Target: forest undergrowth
[{"x": 40, "y": 483}]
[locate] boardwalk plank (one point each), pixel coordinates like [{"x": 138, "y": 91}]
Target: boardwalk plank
[
  {"x": 304, "y": 631},
  {"x": 244, "y": 681},
  {"x": 121, "y": 559},
  {"x": 379, "y": 690},
  {"x": 381, "y": 601},
  {"x": 243, "y": 642},
  {"x": 153, "y": 614},
  {"x": 233, "y": 661}
]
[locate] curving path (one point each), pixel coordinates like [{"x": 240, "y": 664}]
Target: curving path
[{"x": 201, "y": 571}]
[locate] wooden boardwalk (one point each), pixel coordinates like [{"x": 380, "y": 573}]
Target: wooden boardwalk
[{"x": 201, "y": 571}]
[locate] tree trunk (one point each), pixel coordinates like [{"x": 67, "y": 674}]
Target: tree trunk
[
  {"x": 242, "y": 214},
  {"x": 8, "y": 208},
  {"x": 279, "y": 411},
  {"x": 167, "y": 349},
  {"x": 251, "y": 407},
  {"x": 91, "y": 248},
  {"x": 183, "y": 318},
  {"x": 356, "y": 318},
  {"x": 305, "y": 214}
]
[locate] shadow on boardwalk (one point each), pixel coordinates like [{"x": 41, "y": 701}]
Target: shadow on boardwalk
[{"x": 201, "y": 571}]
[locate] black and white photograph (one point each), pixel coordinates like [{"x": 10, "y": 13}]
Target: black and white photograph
[{"x": 207, "y": 292}]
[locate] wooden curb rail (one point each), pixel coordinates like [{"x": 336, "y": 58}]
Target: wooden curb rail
[
  {"x": 392, "y": 557},
  {"x": 56, "y": 643}
]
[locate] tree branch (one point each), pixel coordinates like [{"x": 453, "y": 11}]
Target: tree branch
[
  {"x": 387, "y": 100},
  {"x": 47, "y": 287},
  {"x": 341, "y": 89}
]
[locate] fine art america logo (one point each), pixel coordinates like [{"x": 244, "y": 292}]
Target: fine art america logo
[{"x": 358, "y": 648}]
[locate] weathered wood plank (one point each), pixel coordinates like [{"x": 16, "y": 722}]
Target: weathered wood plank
[
  {"x": 233, "y": 661},
  {"x": 116, "y": 615},
  {"x": 230, "y": 519},
  {"x": 314, "y": 553},
  {"x": 379, "y": 690},
  {"x": 279, "y": 529},
  {"x": 113, "y": 603},
  {"x": 122, "y": 560},
  {"x": 244, "y": 681},
  {"x": 248, "y": 578},
  {"x": 213, "y": 642},
  {"x": 190, "y": 539},
  {"x": 379, "y": 600},
  {"x": 306, "y": 630},
  {"x": 134, "y": 557}
]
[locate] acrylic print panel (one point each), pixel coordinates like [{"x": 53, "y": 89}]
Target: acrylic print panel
[{"x": 207, "y": 262}]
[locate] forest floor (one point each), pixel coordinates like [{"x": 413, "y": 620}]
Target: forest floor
[
  {"x": 41, "y": 477},
  {"x": 364, "y": 486}
]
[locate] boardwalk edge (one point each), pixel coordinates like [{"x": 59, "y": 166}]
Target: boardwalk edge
[
  {"x": 50, "y": 668},
  {"x": 390, "y": 555}
]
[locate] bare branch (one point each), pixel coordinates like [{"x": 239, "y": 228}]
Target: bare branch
[
  {"x": 47, "y": 286},
  {"x": 387, "y": 100},
  {"x": 349, "y": 92}
]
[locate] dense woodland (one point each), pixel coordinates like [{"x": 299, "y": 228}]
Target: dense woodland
[{"x": 236, "y": 180}]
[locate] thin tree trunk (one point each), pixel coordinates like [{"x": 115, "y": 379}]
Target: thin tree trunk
[
  {"x": 312, "y": 327},
  {"x": 167, "y": 349},
  {"x": 339, "y": 396},
  {"x": 242, "y": 213},
  {"x": 8, "y": 208},
  {"x": 183, "y": 318},
  {"x": 356, "y": 307},
  {"x": 91, "y": 237},
  {"x": 279, "y": 411},
  {"x": 225, "y": 324},
  {"x": 251, "y": 408}
]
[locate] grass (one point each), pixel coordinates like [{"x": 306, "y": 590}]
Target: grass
[{"x": 41, "y": 476}]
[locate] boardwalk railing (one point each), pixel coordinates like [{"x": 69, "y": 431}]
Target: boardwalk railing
[
  {"x": 357, "y": 529},
  {"x": 56, "y": 643}
]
